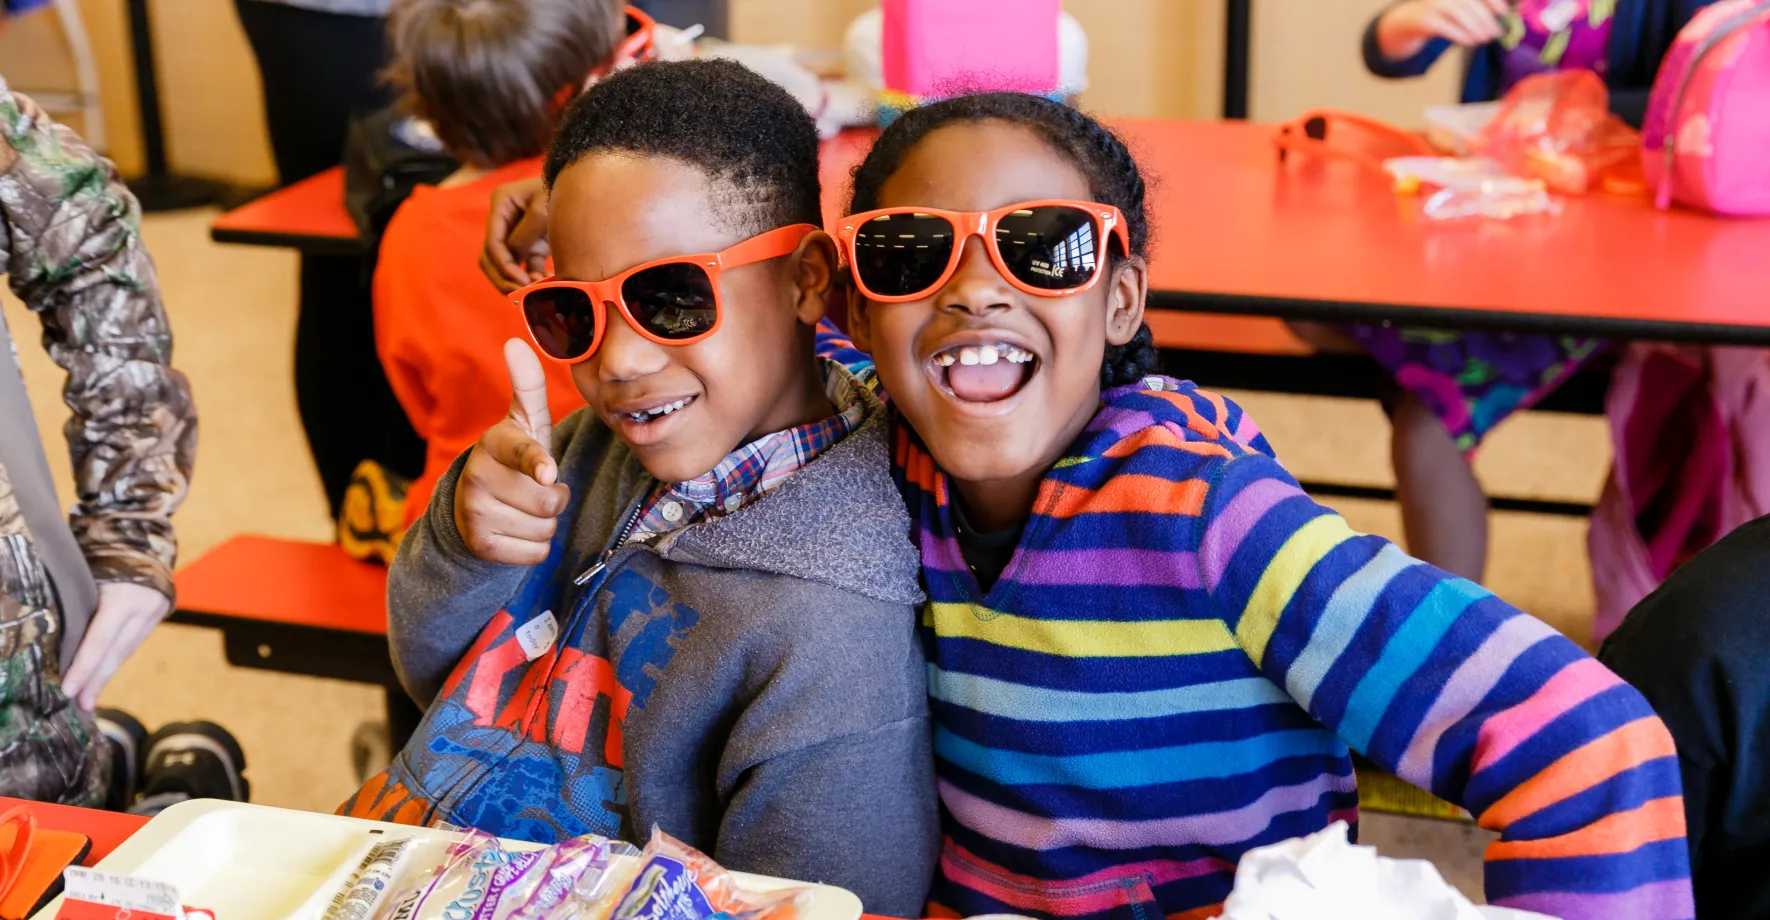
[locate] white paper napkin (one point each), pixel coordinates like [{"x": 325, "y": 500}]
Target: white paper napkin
[{"x": 1324, "y": 877}]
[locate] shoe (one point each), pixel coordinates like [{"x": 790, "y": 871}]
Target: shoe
[
  {"x": 128, "y": 740},
  {"x": 371, "y": 519},
  {"x": 191, "y": 760}
]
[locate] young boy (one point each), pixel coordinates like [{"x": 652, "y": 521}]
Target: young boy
[
  {"x": 689, "y": 606},
  {"x": 438, "y": 325}
]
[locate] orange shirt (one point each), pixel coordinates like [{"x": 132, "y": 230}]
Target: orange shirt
[{"x": 440, "y": 326}]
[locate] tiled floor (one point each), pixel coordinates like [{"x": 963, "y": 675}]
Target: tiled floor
[{"x": 233, "y": 313}]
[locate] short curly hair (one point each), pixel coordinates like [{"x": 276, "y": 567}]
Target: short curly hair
[
  {"x": 740, "y": 129},
  {"x": 1099, "y": 154}
]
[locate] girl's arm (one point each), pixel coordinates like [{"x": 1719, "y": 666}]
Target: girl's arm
[
  {"x": 1448, "y": 687},
  {"x": 1409, "y": 36}
]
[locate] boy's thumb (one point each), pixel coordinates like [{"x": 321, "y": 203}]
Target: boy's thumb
[{"x": 528, "y": 392}]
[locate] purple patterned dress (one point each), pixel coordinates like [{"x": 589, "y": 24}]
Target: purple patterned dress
[{"x": 1473, "y": 380}]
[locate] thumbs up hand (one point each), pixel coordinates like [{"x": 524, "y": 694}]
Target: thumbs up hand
[{"x": 509, "y": 497}]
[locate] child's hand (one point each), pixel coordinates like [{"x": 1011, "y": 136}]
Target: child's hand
[
  {"x": 1407, "y": 26},
  {"x": 509, "y": 497},
  {"x": 515, "y": 249}
]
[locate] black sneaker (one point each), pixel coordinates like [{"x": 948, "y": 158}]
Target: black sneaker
[
  {"x": 191, "y": 760},
  {"x": 128, "y": 741}
]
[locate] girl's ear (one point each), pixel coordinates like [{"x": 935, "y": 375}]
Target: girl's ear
[
  {"x": 1125, "y": 298},
  {"x": 814, "y": 270},
  {"x": 860, "y": 315}
]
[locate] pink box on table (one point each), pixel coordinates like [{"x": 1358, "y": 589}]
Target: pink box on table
[{"x": 933, "y": 47}]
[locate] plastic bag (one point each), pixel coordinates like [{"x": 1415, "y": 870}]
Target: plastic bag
[
  {"x": 1557, "y": 127},
  {"x": 1467, "y": 187},
  {"x": 677, "y": 882},
  {"x": 479, "y": 879}
]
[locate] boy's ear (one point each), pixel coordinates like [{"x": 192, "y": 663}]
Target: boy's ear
[
  {"x": 814, "y": 267},
  {"x": 1126, "y": 295}
]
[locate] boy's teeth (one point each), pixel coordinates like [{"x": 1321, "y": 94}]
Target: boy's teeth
[
  {"x": 656, "y": 411},
  {"x": 969, "y": 355}
]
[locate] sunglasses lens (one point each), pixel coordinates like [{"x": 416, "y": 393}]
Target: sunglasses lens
[
  {"x": 673, "y": 301},
  {"x": 898, "y": 255},
  {"x": 563, "y": 321},
  {"x": 1052, "y": 248}
]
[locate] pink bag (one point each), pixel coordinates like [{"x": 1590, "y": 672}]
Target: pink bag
[
  {"x": 1706, "y": 140},
  {"x": 1692, "y": 463},
  {"x": 934, "y": 47}
]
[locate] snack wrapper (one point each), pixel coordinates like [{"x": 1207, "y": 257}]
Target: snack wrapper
[
  {"x": 1465, "y": 187},
  {"x": 677, "y": 882},
  {"x": 479, "y": 879},
  {"x": 1557, "y": 127}
]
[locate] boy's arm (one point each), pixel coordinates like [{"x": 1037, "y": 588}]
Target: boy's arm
[
  {"x": 439, "y": 596},
  {"x": 858, "y": 812},
  {"x": 828, "y": 770},
  {"x": 1448, "y": 687}
]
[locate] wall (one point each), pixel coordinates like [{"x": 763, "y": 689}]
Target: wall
[
  {"x": 1149, "y": 58},
  {"x": 214, "y": 120},
  {"x": 1306, "y": 55}
]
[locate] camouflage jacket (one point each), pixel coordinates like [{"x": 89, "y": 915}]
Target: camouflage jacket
[{"x": 70, "y": 240}]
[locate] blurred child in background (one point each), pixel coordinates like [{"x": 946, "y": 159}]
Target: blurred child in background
[
  {"x": 439, "y": 327},
  {"x": 1455, "y": 387}
]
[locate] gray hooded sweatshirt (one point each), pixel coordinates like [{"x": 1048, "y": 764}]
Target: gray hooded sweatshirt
[{"x": 752, "y": 684}]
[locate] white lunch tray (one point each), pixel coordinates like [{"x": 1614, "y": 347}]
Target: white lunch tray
[{"x": 253, "y": 862}]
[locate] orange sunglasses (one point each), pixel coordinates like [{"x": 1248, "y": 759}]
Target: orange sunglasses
[
  {"x": 671, "y": 301},
  {"x": 1348, "y": 136},
  {"x": 1047, "y": 248}
]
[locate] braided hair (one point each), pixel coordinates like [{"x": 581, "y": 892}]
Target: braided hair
[{"x": 1112, "y": 174}]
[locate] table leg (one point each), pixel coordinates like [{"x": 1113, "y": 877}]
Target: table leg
[{"x": 1237, "y": 37}]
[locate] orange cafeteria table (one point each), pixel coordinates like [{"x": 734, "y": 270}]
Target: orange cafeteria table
[
  {"x": 1237, "y": 232},
  {"x": 106, "y": 829},
  {"x": 308, "y": 215},
  {"x": 297, "y": 608}
]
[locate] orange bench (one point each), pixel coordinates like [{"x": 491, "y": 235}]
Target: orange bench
[{"x": 297, "y": 608}]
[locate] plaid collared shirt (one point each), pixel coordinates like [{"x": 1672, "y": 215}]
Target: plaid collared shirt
[{"x": 751, "y": 470}]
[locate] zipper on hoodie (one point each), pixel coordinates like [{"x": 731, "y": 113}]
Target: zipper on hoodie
[
  {"x": 579, "y": 608},
  {"x": 619, "y": 541}
]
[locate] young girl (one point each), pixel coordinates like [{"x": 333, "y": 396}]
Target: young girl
[
  {"x": 1149, "y": 650},
  {"x": 1453, "y": 388}
]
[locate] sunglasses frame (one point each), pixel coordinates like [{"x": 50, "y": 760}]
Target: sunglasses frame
[
  {"x": 1309, "y": 133},
  {"x": 1108, "y": 222},
  {"x": 773, "y": 244}
]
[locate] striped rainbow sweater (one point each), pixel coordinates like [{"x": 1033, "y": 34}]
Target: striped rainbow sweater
[{"x": 1174, "y": 665}]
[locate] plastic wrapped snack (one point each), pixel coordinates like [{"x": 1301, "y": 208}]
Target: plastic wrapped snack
[
  {"x": 677, "y": 882},
  {"x": 1464, "y": 187},
  {"x": 1557, "y": 127},
  {"x": 478, "y": 879},
  {"x": 373, "y": 881}
]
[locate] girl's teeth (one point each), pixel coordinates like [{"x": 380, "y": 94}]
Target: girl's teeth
[{"x": 983, "y": 354}]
